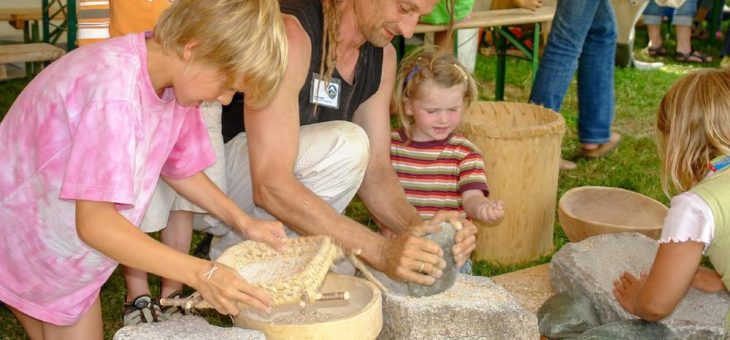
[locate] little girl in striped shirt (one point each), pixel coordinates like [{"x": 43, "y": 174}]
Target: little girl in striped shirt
[{"x": 438, "y": 168}]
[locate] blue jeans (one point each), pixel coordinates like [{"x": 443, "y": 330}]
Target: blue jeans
[
  {"x": 582, "y": 37},
  {"x": 683, "y": 16}
]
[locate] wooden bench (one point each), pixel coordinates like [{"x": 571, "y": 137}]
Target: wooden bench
[
  {"x": 27, "y": 53},
  {"x": 498, "y": 22}
]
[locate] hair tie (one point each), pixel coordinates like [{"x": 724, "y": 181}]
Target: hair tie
[{"x": 410, "y": 75}]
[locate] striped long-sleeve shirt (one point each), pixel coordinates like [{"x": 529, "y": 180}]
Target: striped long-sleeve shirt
[{"x": 434, "y": 174}]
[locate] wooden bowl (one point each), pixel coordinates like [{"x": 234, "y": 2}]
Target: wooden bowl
[
  {"x": 589, "y": 211},
  {"x": 360, "y": 317}
]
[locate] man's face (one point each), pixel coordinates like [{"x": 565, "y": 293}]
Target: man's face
[{"x": 382, "y": 20}]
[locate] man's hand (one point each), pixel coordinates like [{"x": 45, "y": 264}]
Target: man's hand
[{"x": 409, "y": 257}]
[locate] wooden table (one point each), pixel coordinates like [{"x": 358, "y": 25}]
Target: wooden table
[{"x": 33, "y": 50}]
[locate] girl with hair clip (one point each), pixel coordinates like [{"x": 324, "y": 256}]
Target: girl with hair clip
[
  {"x": 693, "y": 128},
  {"x": 438, "y": 168},
  {"x": 86, "y": 142}
]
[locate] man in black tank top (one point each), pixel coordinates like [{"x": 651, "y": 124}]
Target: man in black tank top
[{"x": 326, "y": 136}]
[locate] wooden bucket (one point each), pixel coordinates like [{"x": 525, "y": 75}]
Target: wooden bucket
[{"x": 520, "y": 144}]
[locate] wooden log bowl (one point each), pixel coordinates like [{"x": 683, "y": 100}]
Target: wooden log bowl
[
  {"x": 360, "y": 317},
  {"x": 591, "y": 210}
]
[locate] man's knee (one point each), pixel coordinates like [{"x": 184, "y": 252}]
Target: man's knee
[
  {"x": 338, "y": 144},
  {"x": 356, "y": 145}
]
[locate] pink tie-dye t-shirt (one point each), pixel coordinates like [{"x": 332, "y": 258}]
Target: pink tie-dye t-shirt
[{"x": 90, "y": 127}]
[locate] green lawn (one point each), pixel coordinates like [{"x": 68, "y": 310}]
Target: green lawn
[{"x": 634, "y": 166}]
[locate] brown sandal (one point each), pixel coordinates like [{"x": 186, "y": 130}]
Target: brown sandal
[
  {"x": 693, "y": 57},
  {"x": 654, "y": 52}
]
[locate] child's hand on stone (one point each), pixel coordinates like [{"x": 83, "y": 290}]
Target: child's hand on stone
[{"x": 626, "y": 290}]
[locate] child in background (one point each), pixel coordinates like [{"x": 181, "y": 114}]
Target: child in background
[
  {"x": 86, "y": 142},
  {"x": 693, "y": 125},
  {"x": 438, "y": 168}
]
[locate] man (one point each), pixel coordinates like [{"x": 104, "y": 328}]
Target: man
[{"x": 306, "y": 160}]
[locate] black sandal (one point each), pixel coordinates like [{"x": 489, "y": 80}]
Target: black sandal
[
  {"x": 693, "y": 57},
  {"x": 654, "y": 52}
]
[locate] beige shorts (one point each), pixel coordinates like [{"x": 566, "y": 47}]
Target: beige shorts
[{"x": 165, "y": 199}]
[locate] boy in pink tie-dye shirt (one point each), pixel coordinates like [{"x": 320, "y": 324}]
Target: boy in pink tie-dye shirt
[{"x": 85, "y": 143}]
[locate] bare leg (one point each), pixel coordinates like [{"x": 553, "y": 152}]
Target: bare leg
[
  {"x": 89, "y": 327},
  {"x": 32, "y": 326},
  {"x": 684, "y": 39},
  {"x": 655, "y": 35},
  {"x": 177, "y": 235},
  {"x": 136, "y": 281}
]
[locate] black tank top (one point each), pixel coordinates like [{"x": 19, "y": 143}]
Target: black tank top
[{"x": 366, "y": 81}]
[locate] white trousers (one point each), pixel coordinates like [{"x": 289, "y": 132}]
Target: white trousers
[
  {"x": 165, "y": 199},
  {"x": 331, "y": 162}
]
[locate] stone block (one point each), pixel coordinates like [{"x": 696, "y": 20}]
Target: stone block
[
  {"x": 473, "y": 308},
  {"x": 590, "y": 266},
  {"x": 189, "y": 327}
]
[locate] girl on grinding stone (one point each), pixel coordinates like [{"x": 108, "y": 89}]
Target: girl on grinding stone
[{"x": 693, "y": 126}]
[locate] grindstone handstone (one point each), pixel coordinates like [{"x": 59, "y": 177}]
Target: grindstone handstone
[{"x": 445, "y": 239}]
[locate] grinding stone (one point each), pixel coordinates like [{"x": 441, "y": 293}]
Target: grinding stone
[{"x": 445, "y": 239}]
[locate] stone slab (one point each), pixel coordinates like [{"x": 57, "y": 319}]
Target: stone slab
[
  {"x": 590, "y": 266},
  {"x": 189, "y": 327},
  {"x": 473, "y": 308},
  {"x": 530, "y": 286}
]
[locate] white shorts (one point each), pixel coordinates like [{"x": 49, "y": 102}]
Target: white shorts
[
  {"x": 165, "y": 199},
  {"x": 331, "y": 162}
]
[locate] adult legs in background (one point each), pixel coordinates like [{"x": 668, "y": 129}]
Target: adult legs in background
[
  {"x": 583, "y": 38},
  {"x": 595, "y": 79},
  {"x": 331, "y": 162}
]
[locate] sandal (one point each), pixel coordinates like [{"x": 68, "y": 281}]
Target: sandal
[
  {"x": 173, "y": 312},
  {"x": 654, "y": 52},
  {"x": 142, "y": 310},
  {"x": 693, "y": 57},
  {"x": 602, "y": 149}
]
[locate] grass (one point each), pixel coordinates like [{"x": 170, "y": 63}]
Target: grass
[{"x": 634, "y": 166}]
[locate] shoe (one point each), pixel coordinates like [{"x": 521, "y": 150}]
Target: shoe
[
  {"x": 654, "y": 52},
  {"x": 602, "y": 149},
  {"x": 142, "y": 310},
  {"x": 567, "y": 165},
  {"x": 693, "y": 57},
  {"x": 173, "y": 312}
]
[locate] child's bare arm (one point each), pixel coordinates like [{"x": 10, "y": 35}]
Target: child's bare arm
[
  {"x": 102, "y": 227},
  {"x": 477, "y": 206},
  {"x": 200, "y": 190},
  {"x": 654, "y": 296},
  {"x": 708, "y": 280}
]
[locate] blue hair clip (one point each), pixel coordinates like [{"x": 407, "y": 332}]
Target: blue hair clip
[{"x": 411, "y": 75}]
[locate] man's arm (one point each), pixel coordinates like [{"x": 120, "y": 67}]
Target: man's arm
[
  {"x": 381, "y": 190},
  {"x": 273, "y": 136}
]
